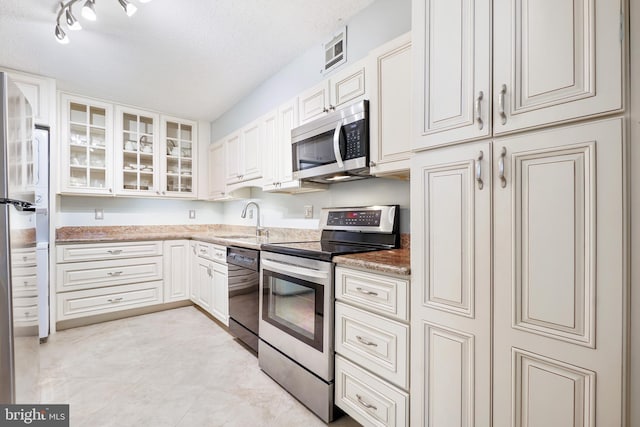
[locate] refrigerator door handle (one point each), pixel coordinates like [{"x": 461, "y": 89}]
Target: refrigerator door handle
[{"x": 20, "y": 205}]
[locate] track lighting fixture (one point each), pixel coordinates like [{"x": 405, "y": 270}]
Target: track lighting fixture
[{"x": 88, "y": 13}]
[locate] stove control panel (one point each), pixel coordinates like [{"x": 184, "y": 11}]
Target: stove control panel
[{"x": 367, "y": 218}]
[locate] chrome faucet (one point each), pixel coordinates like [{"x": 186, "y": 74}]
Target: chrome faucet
[{"x": 260, "y": 231}]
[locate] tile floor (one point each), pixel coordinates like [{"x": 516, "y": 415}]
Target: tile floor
[{"x": 173, "y": 368}]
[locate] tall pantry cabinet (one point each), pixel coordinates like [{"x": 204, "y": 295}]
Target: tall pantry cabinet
[{"x": 519, "y": 289}]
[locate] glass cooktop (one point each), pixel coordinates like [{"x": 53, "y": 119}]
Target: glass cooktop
[{"x": 324, "y": 251}]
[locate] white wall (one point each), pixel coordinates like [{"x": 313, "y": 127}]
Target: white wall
[
  {"x": 79, "y": 211},
  {"x": 286, "y": 210},
  {"x": 375, "y": 25}
]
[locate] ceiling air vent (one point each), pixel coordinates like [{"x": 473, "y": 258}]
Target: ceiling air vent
[{"x": 335, "y": 51}]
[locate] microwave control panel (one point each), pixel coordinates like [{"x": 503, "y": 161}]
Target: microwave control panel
[{"x": 355, "y": 140}]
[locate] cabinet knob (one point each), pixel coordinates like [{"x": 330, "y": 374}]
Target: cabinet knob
[
  {"x": 332, "y": 108},
  {"x": 372, "y": 164},
  {"x": 111, "y": 190}
]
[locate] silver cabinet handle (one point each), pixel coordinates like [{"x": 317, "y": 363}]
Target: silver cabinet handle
[
  {"x": 366, "y": 341},
  {"x": 372, "y": 164},
  {"x": 193, "y": 248},
  {"x": 115, "y": 251},
  {"x": 366, "y": 292},
  {"x": 114, "y": 273},
  {"x": 27, "y": 314},
  {"x": 501, "y": 110},
  {"x": 112, "y": 300},
  {"x": 365, "y": 404},
  {"x": 325, "y": 110},
  {"x": 209, "y": 272},
  {"x": 24, "y": 258},
  {"x": 503, "y": 180},
  {"x": 111, "y": 190},
  {"x": 332, "y": 108},
  {"x": 479, "y": 170},
  {"x": 479, "y": 110}
]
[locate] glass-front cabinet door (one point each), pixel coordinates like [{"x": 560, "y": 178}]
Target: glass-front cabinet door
[
  {"x": 86, "y": 146},
  {"x": 137, "y": 152},
  {"x": 178, "y": 154}
]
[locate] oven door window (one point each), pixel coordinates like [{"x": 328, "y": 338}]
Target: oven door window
[{"x": 294, "y": 306}]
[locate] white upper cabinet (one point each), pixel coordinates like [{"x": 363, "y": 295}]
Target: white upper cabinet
[
  {"x": 178, "y": 157},
  {"x": 390, "y": 106},
  {"x": 452, "y": 71},
  {"x": 216, "y": 171},
  {"x": 137, "y": 150},
  {"x": 86, "y": 146},
  {"x": 244, "y": 154},
  {"x": 346, "y": 86},
  {"x": 277, "y": 143},
  {"x": 553, "y": 62}
]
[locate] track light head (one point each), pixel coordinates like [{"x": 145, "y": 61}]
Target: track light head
[
  {"x": 61, "y": 36},
  {"x": 129, "y": 8},
  {"x": 72, "y": 22},
  {"x": 89, "y": 10}
]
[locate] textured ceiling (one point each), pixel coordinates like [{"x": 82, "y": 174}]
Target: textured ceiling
[{"x": 190, "y": 58}]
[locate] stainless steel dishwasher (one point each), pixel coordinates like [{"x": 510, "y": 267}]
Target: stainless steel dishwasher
[{"x": 244, "y": 288}]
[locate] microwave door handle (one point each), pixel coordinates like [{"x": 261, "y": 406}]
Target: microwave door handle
[{"x": 336, "y": 146}]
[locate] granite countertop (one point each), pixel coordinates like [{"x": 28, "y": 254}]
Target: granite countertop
[
  {"x": 224, "y": 235},
  {"x": 394, "y": 261}
]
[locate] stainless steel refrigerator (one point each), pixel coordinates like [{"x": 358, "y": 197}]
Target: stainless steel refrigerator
[{"x": 19, "y": 300}]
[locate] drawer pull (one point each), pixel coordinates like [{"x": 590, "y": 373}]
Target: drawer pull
[
  {"x": 366, "y": 341},
  {"x": 366, "y": 292},
  {"x": 114, "y": 273},
  {"x": 24, "y": 258},
  {"x": 27, "y": 314},
  {"x": 365, "y": 404},
  {"x": 112, "y": 300},
  {"x": 115, "y": 251},
  {"x": 26, "y": 283}
]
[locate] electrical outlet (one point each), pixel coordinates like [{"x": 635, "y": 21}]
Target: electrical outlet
[
  {"x": 250, "y": 213},
  {"x": 308, "y": 211},
  {"x": 99, "y": 214},
  {"x": 192, "y": 214}
]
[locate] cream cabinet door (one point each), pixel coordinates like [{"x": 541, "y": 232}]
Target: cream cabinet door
[
  {"x": 452, "y": 64},
  {"x": 232, "y": 154},
  {"x": 348, "y": 85},
  {"x": 287, "y": 120},
  {"x": 451, "y": 286},
  {"x": 176, "y": 270},
  {"x": 390, "y": 108},
  {"x": 216, "y": 171},
  {"x": 204, "y": 279},
  {"x": 314, "y": 102},
  {"x": 251, "y": 152},
  {"x": 271, "y": 149},
  {"x": 194, "y": 288},
  {"x": 559, "y": 282},
  {"x": 220, "y": 288},
  {"x": 555, "y": 60}
]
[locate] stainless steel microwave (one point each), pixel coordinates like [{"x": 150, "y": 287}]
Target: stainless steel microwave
[{"x": 333, "y": 148}]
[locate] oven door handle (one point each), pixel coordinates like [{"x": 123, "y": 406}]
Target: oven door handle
[
  {"x": 336, "y": 146},
  {"x": 282, "y": 268}
]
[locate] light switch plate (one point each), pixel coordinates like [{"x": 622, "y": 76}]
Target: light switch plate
[
  {"x": 192, "y": 214},
  {"x": 99, "y": 214},
  {"x": 308, "y": 211}
]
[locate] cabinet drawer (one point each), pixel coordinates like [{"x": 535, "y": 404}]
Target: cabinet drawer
[
  {"x": 25, "y": 301},
  {"x": 212, "y": 252},
  {"x": 25, "y": 316},
  {"x": 23, "y": 257},
  {"x": 382, "y": 294},
  {"x": 105, "y": 251},
  {"x": 23, "y": 286},
  {"x": 367, "y": 399},
  {"x": 90, "y": 302},
  {"x": 85, "y": 275},
  {"x": 378, "y": 344}
]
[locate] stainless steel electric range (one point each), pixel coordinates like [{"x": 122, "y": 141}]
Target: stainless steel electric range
[{"x": 297, "y": 300}]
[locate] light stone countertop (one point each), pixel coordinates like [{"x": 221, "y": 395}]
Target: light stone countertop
[{"x": 396, "y": 261}]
